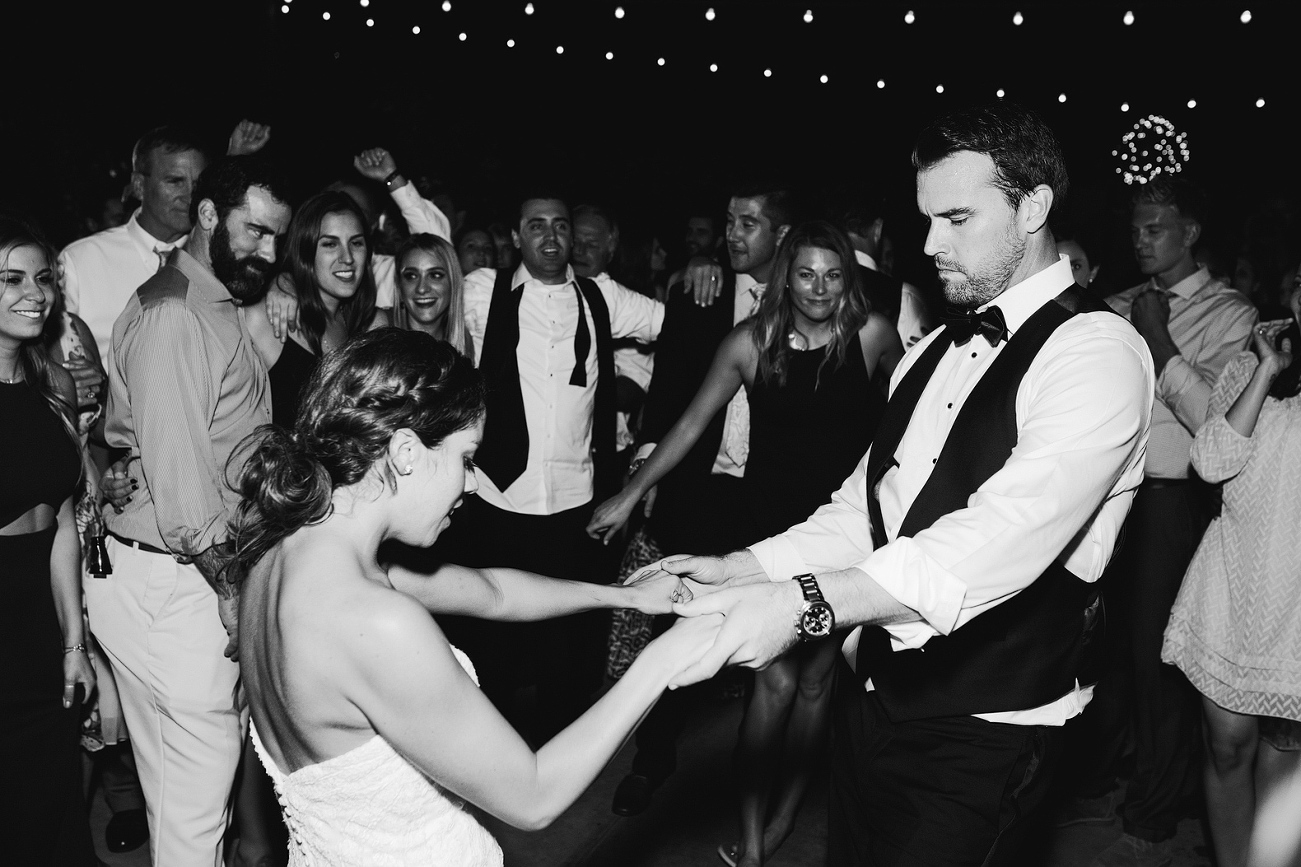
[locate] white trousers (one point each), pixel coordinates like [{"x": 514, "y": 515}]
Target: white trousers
[{"x": 157, "y": 622}]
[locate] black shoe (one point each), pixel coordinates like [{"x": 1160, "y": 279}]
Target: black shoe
[
  {"x": 633, "y": 795},
  {"x": 127, "y": 830}
]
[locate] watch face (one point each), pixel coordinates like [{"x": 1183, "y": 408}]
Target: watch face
[{"x": 817, "y": 620}]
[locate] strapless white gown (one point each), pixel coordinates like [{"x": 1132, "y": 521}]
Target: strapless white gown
[{"x": 370, "y": 806}]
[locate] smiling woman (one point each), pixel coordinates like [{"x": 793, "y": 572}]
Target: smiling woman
[{"x": 39, "y": 557}]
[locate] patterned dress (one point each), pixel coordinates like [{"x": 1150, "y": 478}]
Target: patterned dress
[{"x": 1235, "y": 630}]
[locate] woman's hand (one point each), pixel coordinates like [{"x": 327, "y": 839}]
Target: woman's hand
[
  {"x": 88, "y": 379},
  {"x": 682, "y": 648},
  {"x": 282, "y": 307},
  {"x": 610, "y": 517},
  {"x": 116, "y": 485},
  {"x": 77, "y": 670},
  {"x": 1275, "y": 361}
]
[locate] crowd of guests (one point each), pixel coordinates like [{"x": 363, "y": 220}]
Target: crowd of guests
[{"x": 251, "y": 426}]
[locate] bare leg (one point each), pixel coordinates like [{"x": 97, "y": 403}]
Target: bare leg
[
  {"x": 806, "y": 735},
  {"x": 1276, "y": 838},
  {"x": 758, "y": 747},
  {"x": 1231, "y": 740}
]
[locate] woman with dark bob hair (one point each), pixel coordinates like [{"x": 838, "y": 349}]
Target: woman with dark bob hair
[
  {"x": 806, "y": 360},
  {"x": 368, "y": 721},
  {"x": 326, "y": 266}
]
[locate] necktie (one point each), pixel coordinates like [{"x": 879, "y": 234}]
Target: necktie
[{"x": 964, "y": 325}]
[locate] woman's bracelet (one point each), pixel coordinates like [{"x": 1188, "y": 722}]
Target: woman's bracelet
[
  {"x": 636, "y": 465},
  {"x": 75, "y": 648}
]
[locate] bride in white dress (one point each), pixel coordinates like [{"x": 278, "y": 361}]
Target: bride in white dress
[{"x": 370, "y": 724}]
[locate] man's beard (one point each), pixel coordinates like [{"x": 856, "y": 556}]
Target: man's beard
[
  {"x": 974, "y": 289},
  {"x": 244, "y": 278}
]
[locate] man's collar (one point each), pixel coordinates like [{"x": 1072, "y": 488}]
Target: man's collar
[
  {"x": 865, "y": 260},
  {"x": 1020, "y": 302},
  {"x": 147, "y": 241},
  {"x": 523, "y": 275},
  {"x": 1190, "y": 285},
  {"x": 202, "y": 281}
]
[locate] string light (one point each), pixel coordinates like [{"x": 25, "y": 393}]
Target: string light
[
  {"x": 808, "y": 16},
  {"x": 325, "y": 16},
  {"x": 528, "y": 8},
  {"x": 1192, "y": 103},
  {"x": 767, "y": 73},
  {"x": 447, "y": 5},
  {"x": 1000, "y": 93},
  {"x": 510, "y": 43},
  {"x": 415, "y": 31},
  {"x": 609, "y": 55},
  {"x": 909, "y": 17},
  {"x": 660, "y": 61},
  {"x": 709, "y": 14},
  {"x": 1129, "y": 17},
  {"x": 462, "y": 36},
  {"x": 1061, "y": 97},
  {"x": 370, "y": 22},
  {"x": 365, "y": 3},
  {"x": 618, "y": 12},
  {"x": 1018, "y": 18},
  {"x": 1124, "y": 106},
  {"x": 880, "y": 84},
  {"x": 1151, "y": 148},
  {"x": 284, "y": 9},
  {"x": 1260, "y": 103},
  {"x": 713, "y": 67},
  {"x": 1245, "y": 17},
  {"x": 560, "y": 49},
  {"x": 823, "y": 79},
  {"x": 939, "y": 88}
]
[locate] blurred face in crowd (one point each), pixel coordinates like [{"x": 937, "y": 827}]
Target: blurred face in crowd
[
  {"x": 1163, "y": 238},
  {"x": 752, "y": 239},
  {"x": 973, "y": 235},
  {"x": 341, "y": 256},
  {"x": 1081, "y": 269},
  {"x": 544, "y": 239},
  {"x": 243, "y": 246},
  {"x": 816, "y": 285},
  {"x": 702, "y": 237},
  {"x": 659, "y": 257},
  {"x": 164, "y": 186},
  {"x": 26, "y": 294},
  {"x": 426, "y": 287},
  {"x": 594, "y": 245},
  {"x": 507, "y": 257},
  {"x": 476, "y": 250}
]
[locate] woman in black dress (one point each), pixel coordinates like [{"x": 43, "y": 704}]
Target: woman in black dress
[
  {"x": 41, "y": 628},
  {"x": 807, "y": 360}
]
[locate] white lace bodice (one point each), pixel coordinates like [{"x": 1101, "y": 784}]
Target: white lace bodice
[{"x": 371, "y": 806}]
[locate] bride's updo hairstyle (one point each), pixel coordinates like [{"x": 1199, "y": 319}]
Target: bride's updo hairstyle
[{"x": 377, "y": 383}]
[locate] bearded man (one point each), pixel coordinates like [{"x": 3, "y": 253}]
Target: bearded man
[{"x": 185, "y": 387}]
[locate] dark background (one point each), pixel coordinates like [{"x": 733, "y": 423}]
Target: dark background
[{"x": 483, "y": 121}]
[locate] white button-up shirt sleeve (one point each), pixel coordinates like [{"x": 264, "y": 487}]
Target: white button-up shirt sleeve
[
  {"x": 1083, "y": 412},
  {"x": 477, "y": 298},
  {"x": 631, "y": 313},
  {"x": 420, "y": 214}
]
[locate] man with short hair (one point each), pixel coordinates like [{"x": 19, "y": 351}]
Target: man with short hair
[
  {"x": 968, "y": 543},
  {"x": 544, "y": 338},
  {"x": 698, "y": 506},
  {"x": 702, "y": 238},
  {"x": 1193, "y": 324},
  {"x": 901, "y": 302},
  {"x": 186, "y": 386}
]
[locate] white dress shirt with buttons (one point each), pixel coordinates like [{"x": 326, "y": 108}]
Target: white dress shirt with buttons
[
  {"x": 559, "y": 473},
  {"x": 1083, "y": 412},
  {"x": 102, "y": 271}
]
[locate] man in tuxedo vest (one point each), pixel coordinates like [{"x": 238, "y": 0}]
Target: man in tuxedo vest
[
  {"x": 544, "y": 340},
  {"x": 965, "y": 549}
]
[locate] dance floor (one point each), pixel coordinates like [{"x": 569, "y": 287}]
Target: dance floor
[{"x": 695, "y": 811}]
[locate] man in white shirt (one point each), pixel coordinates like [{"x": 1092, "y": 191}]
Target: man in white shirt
[
  {"x": 968, "y": 542},
  {"x": 544, "y": 342},
  {"x": 1193, "y": 323}
]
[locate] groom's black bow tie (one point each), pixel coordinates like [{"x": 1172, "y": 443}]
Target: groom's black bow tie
[{"x": 963, "y": 325}]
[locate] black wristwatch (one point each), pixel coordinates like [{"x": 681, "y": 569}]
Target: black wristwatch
[{"x": 815, "y": 619}]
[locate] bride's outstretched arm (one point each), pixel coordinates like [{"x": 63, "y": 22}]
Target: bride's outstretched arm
[
  {"x": 403, "y": 676},
  {"x": 514, "y": 595}
]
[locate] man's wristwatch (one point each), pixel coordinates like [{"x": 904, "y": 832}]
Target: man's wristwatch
[{"x": 815, "y": 619}]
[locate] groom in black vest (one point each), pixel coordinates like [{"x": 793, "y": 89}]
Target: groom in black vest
[{"x": 967, "y": 544}]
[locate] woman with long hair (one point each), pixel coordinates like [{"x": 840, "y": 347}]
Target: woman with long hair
[
  {"x": 807, "y": 360},
  {"x": 326, "y": 265},
  {"x": 431, "y": 291},
  {"x": 1235, "y": 629},
  {"x": 369, "y": 722},
  {"x": 42, "y": 633}
]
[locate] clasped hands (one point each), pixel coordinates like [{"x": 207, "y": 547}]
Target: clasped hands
[{"x": 758, "y": 615}]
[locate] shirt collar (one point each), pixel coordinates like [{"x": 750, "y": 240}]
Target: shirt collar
[
  {"x": 1191, "y": 285},
  {"x": 524, "y": 276},
  {"x": 865, "y": 260},
  {"x": 148, "y": 242},
  {"x": 746, "y": 283},
  {"x": 1020, "y": 302},
  {"x": 202, "y": 281}
]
